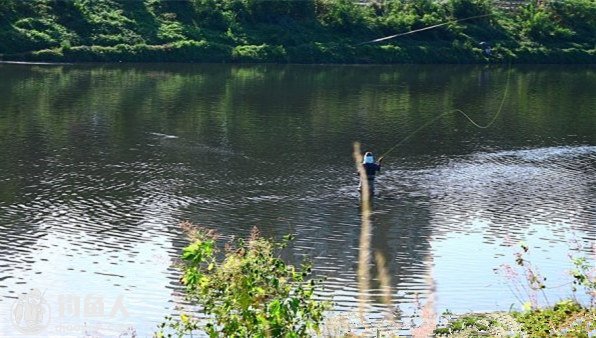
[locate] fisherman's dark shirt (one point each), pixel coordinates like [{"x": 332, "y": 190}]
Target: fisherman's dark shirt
[{"x": 371, "y": 170}]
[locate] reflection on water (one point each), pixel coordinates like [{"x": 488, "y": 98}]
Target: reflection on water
[{"x": 100, "y": 163}]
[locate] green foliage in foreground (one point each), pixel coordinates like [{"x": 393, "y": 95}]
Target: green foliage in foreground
[
  {"x": 565, "y": 319},
  {"x": 470, "y": 324},
  {"x": 306, "y": 31},
  {"x": 251, "y": 292},
  {"x": 478, "y": 322}
]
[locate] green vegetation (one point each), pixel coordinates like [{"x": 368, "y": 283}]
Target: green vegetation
[
  {"x": 308, "y": 31},
  {"x": 567, "y": 318},
  {"x": 475, "y": 325},
  {"x": 564, "y": 319},
  {"x": 479, "y": 322},
  {"x": 249, "y": 293}
]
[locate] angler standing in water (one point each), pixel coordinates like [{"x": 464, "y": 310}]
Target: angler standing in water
[{"x": 371, "y": 169}]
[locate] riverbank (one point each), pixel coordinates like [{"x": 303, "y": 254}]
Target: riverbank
[
  {"x": 564, "y": 319},
  {"x": 235, "y": 31}
]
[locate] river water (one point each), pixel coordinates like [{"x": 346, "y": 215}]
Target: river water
[{"x": 100, "y": 163}]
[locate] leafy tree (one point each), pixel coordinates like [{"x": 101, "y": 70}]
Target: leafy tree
[
  {"x": 541, "y": 24},
  {"x": 468, "y": 8},
  {"x": 344, "y": 15},
  {"x": 6, "y": 5},
  {"x": 577, "y": 15}
]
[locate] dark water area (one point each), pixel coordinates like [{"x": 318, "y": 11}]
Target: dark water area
[{"x": 100, "y": 163}]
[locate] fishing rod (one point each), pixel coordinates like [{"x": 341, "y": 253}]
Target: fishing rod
[
  {"x": 474, "y": 123},
  {"x": 425, "y": 28}
]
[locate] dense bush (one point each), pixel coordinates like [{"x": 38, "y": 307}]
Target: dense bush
[
  {"x": 557, "y": 321},
  {"x": 211, "y": 13},
  {"x": 540, "y": 24},
  {"x": 345, "y": 16},
  {"x": 579, "y": 16},
  {"x": 468, "y": 8},
  {"x": 249, "y": 292},
  {"x": 278, "y": 11},
  {"x": 6, "y": 6},
  {"x": 261, "y": 53}
]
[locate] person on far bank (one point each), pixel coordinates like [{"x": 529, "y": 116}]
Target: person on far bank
[{"x": 372, "y": 168}]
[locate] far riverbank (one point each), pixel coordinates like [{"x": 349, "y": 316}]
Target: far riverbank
[{"x": 306, "y": 32}]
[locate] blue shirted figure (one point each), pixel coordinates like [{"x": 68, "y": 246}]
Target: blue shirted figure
[{"x": 371, "y": 169}]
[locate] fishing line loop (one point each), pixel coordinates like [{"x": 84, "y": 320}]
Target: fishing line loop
[{"x": 474, "y": 123}]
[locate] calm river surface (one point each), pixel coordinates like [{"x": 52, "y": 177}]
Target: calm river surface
[{"x": 99, "y": 164}]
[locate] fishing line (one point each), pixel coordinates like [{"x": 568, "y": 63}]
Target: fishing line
[
  {"x": 490, "y": 123},
  {"x": 425, "y": 28},
  {"x": 474, "y": 123}
]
